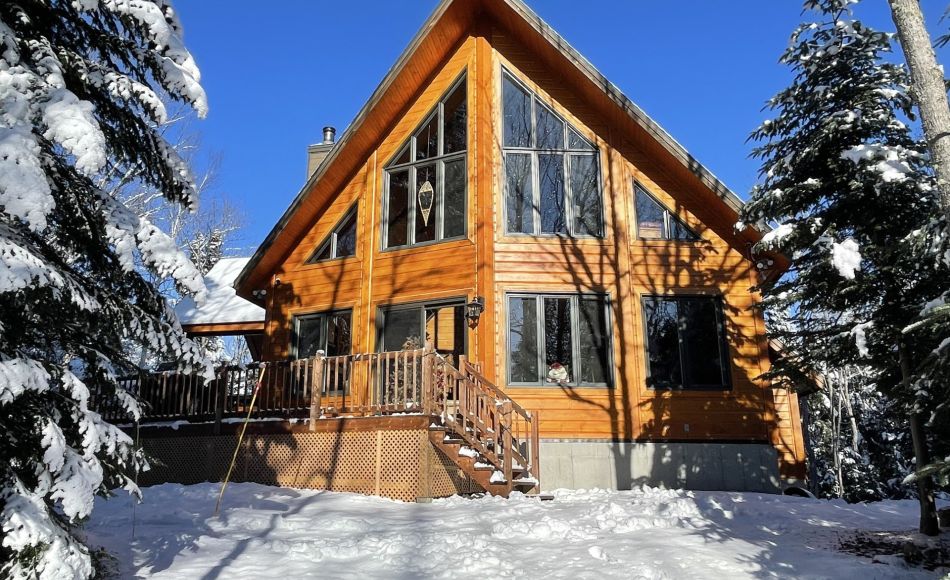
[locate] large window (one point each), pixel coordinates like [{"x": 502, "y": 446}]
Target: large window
[
  {"x": 426, "y": 180},
  {"x": 656, "y": 222},
  {"x": 686, "y": 345},
  {"x": 552, "y": 173},
  {"x": 326, "y": 331},
  {"x": 558, "y": 339},
  {"x": 341, "y": 242}
]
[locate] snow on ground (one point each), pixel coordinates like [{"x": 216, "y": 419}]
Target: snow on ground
[{"x": 270, "y": 532}]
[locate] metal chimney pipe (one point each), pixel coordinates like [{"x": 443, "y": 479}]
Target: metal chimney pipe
[{"x": 329, "y": 135}]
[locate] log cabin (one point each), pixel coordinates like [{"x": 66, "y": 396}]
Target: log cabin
[{"x": 506, "y": 254}]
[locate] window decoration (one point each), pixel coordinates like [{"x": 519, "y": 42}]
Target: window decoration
[
  {"x": 558, "y": 340},
  {"x": 341, "y": 242},
  {"x": 425, "y": 192},
  {"x": 686, "y": 344},
  {"x": 552, "y": 173},
  {"x": 656, "y": 222}
]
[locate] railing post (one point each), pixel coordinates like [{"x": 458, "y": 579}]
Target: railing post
[
  {"x": 535, "y": 449},
  {"x": 428, "y": 378},
  {"x": 316, "y": 389},
  {"x": 506, "y": 437},
  {"x": 220, "y": 393}
]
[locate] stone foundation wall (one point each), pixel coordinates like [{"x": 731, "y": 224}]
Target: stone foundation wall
[{"x": 701, "y": 466}]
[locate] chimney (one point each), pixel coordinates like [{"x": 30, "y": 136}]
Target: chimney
[{"x": 318, "y": 152}]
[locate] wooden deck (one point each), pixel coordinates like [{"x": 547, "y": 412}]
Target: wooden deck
[{"x": 489, "y": 436}]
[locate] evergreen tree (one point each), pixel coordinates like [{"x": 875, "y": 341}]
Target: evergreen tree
[
  {"x": 82, "y": 87},
  {"x": 847, "y": 185},
  {"x": 859, "y": 445}
]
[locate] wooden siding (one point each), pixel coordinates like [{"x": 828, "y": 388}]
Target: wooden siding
[
  {"x": 491, "y": 264},
  {"x": 627, "y": 268}
]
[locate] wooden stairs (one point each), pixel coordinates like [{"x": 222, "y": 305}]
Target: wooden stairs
[{"x": 487, "y": 435}]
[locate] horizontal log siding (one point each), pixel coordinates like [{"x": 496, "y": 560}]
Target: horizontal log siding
[{"x": 627, "y": 268}]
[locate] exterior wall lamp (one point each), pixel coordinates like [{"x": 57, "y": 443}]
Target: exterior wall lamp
[{"x": 473, "y": 311}]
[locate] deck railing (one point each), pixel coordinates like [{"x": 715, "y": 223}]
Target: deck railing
[{"x": 412, "y": 381}]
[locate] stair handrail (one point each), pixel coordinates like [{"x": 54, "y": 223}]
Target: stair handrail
[{"x": 479, "y": 379}]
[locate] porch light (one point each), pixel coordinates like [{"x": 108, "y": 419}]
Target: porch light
[{"x": 473, "y": 310}]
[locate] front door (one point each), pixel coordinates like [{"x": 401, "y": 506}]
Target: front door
[{"x": 439, "y": 325}]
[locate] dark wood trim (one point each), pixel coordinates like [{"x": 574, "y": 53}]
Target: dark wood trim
[
  {"x": 337, "y": 425},
  {"x": 221, "y": 329}
]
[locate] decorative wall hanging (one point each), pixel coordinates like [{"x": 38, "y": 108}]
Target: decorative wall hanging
[{"x": 426, "y": 197}]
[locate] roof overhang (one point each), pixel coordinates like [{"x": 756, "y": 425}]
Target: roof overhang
[{"x": 223, "y": 312}]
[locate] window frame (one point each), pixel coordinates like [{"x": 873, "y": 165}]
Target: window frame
[
  {"x": 533, "y": 151},
  {"x": 539, "y": 297},
  {"x": 325, "y": 316},
  {"x": 668, "y": 217},
  {"x": 722, "y": 335},
  {"x": 331, "y": 239},
  {"x": 439, "y": 160},
  {"x": 422, "y": 305}
]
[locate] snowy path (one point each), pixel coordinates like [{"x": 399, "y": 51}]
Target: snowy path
[{"x": 268, "y": 532}]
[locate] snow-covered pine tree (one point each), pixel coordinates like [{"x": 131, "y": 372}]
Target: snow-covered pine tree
[
  {"x": 82, "y": 86},
  {"x": 846, "y": 184}
]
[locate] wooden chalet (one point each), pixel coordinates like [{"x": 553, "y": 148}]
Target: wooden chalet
[{"x": 506, "y": 269}]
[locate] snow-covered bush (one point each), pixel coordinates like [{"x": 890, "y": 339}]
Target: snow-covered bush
[{"x": 82, "y": 90}]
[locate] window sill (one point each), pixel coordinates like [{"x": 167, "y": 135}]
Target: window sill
[
  {"x": 509, "y": 237},
  {"x": 665, "y": 242},
  {"x": 329, "y": 262},
  {"x": 601, "y": 386},
  {"x": 448, "y": 243},
  {"x": 724, "y": 390}
]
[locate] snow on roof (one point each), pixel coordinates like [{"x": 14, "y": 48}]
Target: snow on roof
[{"x": 223, "y": 305}]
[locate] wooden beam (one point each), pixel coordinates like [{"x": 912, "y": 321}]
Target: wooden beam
[{"x": 222, "y": 329}]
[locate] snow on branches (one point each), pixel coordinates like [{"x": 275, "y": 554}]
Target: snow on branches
[{"x": 84, "y": 85}]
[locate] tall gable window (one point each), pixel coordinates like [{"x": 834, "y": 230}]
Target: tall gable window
[
  {"x": 425, "y": 193},
  {"x": 341, "y": 242},
  {"x": 686, "y": 345},
  {"x": 655, "y": 222},
  {"x": 558, "y": 339},
  {"x": 552, "y": 173}
]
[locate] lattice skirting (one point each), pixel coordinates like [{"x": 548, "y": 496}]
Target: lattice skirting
[{"x": 396, "y": 463}]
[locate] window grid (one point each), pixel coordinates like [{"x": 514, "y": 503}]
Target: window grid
[
  {"x": 439, "y": 161},
  {"x": 577, "y": 371},
  {"x": 568, "y": 152}
]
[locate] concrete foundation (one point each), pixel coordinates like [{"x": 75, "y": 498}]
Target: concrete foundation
[{"x": 701, "y": 466}]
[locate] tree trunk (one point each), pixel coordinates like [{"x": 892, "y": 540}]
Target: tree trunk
[
  {"x": 927, "y": 89},
  {"x": 925, "y": 488}
]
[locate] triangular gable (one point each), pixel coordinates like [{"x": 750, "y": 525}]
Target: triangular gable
[{"x": 451, "y": 21}]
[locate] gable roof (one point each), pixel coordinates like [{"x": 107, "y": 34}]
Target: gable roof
[{"x": 440, "y": 33}]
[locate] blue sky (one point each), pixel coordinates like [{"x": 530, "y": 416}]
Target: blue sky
[{"x": 276, "y": 76}]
